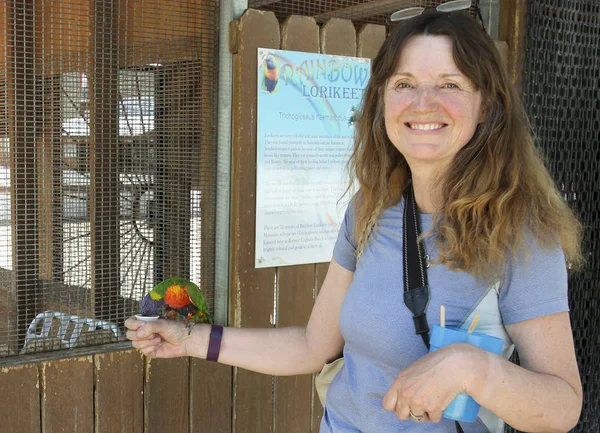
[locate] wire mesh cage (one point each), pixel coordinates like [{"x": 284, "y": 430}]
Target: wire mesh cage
[
  {"x": 561, "y": 94},
  {"x": 107, "y": 163},
  {"x": 360, "y": 12}
]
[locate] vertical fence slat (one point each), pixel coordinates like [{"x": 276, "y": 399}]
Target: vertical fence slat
[
  {"x": 338, "y": 37},
  {"x": 317, "y": 409},
  {"x": 166, "y": 398},
  {"x": 119, "y": 397},
  {"x": 104, "y": 156},
  {"x": 20, "y": 399},
  {"x": 293, "y": 394},
  {"x": 21, "y": 89},
  {"x": 513, "y": 30},
  {"x": 210, "y": 397},
  {"x": 176, "y": 133},
  {"x": 68, "y": 407},
  {"x": 369, "y": 39},
  {"x": 206, "y": 170},
  {"x": 299, "y": 33},
  {"x": 295, "y": 286},
  {"x": 251, "y": 290},
  {"x": 49, "y": 166}
]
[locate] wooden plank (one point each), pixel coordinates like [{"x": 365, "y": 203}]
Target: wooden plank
[
  {"x": 211, "y": 396},
  {"x": 513, "y": 30},
  {"x": 64, "y": 20},
  {"x": 20, "y": 76},
  {"x": 4, "y": 33},
  {"x": 119, "y": 402},
  {"x": 293, "y": 393},
  {"x": 251, "y": 290},
  {"x": 50, "y": 179},
  {"x": 317, "y": 408},
  {"x": 20, "y": 399},
  {"x": 164, "y": 17},
  {"x": 166, "y": 396},
  {"x": 205, "y": 174},
  {"x": 295, "y": 284},
  {"x": 178, "y": 30},
  {"x": 300, "y": 33},
  {"x": 66, "y": 36},
  {"x": 177, "y": 128},
  {"x": 338, "y": 37},
  {"x": 104, "y": 158},
  {"x": 68, "y": 395},
  {"x": 366, "y": 10},
  {"x": 370, "y": 38}
]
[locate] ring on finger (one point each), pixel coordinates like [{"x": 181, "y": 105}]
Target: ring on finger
[{"x": 416, "y": 418}]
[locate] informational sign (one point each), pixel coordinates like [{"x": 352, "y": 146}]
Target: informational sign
[{"x": 307, "y": 108}]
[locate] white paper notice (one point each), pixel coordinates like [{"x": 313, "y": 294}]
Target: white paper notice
[{"x": 307, "y": 105}]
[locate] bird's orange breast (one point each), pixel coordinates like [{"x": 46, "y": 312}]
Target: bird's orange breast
[{"x": 177, "y": 296}]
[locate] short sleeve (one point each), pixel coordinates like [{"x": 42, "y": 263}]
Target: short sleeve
[
  {"x": 344, "y": 251},
  {"x": 535, "y": 285}
]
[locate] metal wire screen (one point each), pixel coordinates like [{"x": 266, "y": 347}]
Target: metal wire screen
[
  {"x": 358, "y": 11},
  {"x": 562, "y": 96},
  {"x": 107, "y": 163}
]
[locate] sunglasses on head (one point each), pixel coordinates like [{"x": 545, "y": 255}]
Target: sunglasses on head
[{"x": 450, "y": 6}]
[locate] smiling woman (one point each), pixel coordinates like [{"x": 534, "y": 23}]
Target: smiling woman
[
  {"x": 431, "y": 108},
  {"x": 439, "y": 119}
]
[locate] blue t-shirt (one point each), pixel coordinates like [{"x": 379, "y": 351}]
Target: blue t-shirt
[{"x": 378, "y": 329}]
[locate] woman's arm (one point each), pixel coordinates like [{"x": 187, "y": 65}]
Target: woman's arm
[
  {"x": 277, "y": 351},
  {"x": 544, "y": 394}
]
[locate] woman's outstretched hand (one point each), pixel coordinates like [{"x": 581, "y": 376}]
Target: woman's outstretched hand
[
  {"x": 159, "y": 339},
  {"x": 430, "y": 384}
]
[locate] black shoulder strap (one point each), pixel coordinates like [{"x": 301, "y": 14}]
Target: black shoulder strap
[{"x": 416, "y": 289}]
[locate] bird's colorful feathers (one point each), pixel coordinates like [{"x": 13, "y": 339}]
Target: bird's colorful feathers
[
  {"x": 177, "y": 296},
  {"x": 151, "y": 307},
  {"x": 271, "y": 74},
  {"x": 178, "y": 299}
]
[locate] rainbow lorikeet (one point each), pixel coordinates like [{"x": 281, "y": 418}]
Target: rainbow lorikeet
[
  {"x": 271, "y": 74},
  {"x": 177, "y": 299}
]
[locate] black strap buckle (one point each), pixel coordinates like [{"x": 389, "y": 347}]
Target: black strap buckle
[{"x": 416, "y": 300}]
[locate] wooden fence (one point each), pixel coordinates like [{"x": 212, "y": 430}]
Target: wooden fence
[
  {"x": 121, "y": 391},
  {"x": 261, "y": 403}
]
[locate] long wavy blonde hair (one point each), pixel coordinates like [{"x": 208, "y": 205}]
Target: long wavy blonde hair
[{"x": 497, "y": 186}]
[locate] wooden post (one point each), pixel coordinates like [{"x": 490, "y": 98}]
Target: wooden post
[
  {"x": 67, "y": 408},
  {"x": 513, "y": 30},
  {"x": 369, "y": 39},
  {"x": 50, "y": 179},
  {"x": 205, "y": 173},
  {"x": 20, "y": 399},
  {"x": 251, "y": 290},
  {"x": 104, "y": 158},
  {"x": 21, "y": 67},
  {"x": 295, "y": 284},
  {"x": 177, "y": 129},
  {"x": 338, "y": 37},
  {"x": 118, "y": 392},
  {"x": 166, "y": 396}
]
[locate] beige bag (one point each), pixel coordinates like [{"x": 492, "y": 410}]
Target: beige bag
[{"x": 325, "y": 376}]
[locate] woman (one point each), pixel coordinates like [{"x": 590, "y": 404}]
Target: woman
[{"x": 439, "y": 114}]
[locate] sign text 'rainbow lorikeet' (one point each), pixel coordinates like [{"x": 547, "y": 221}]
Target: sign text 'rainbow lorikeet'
[{"x": 176, "y": 299}]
